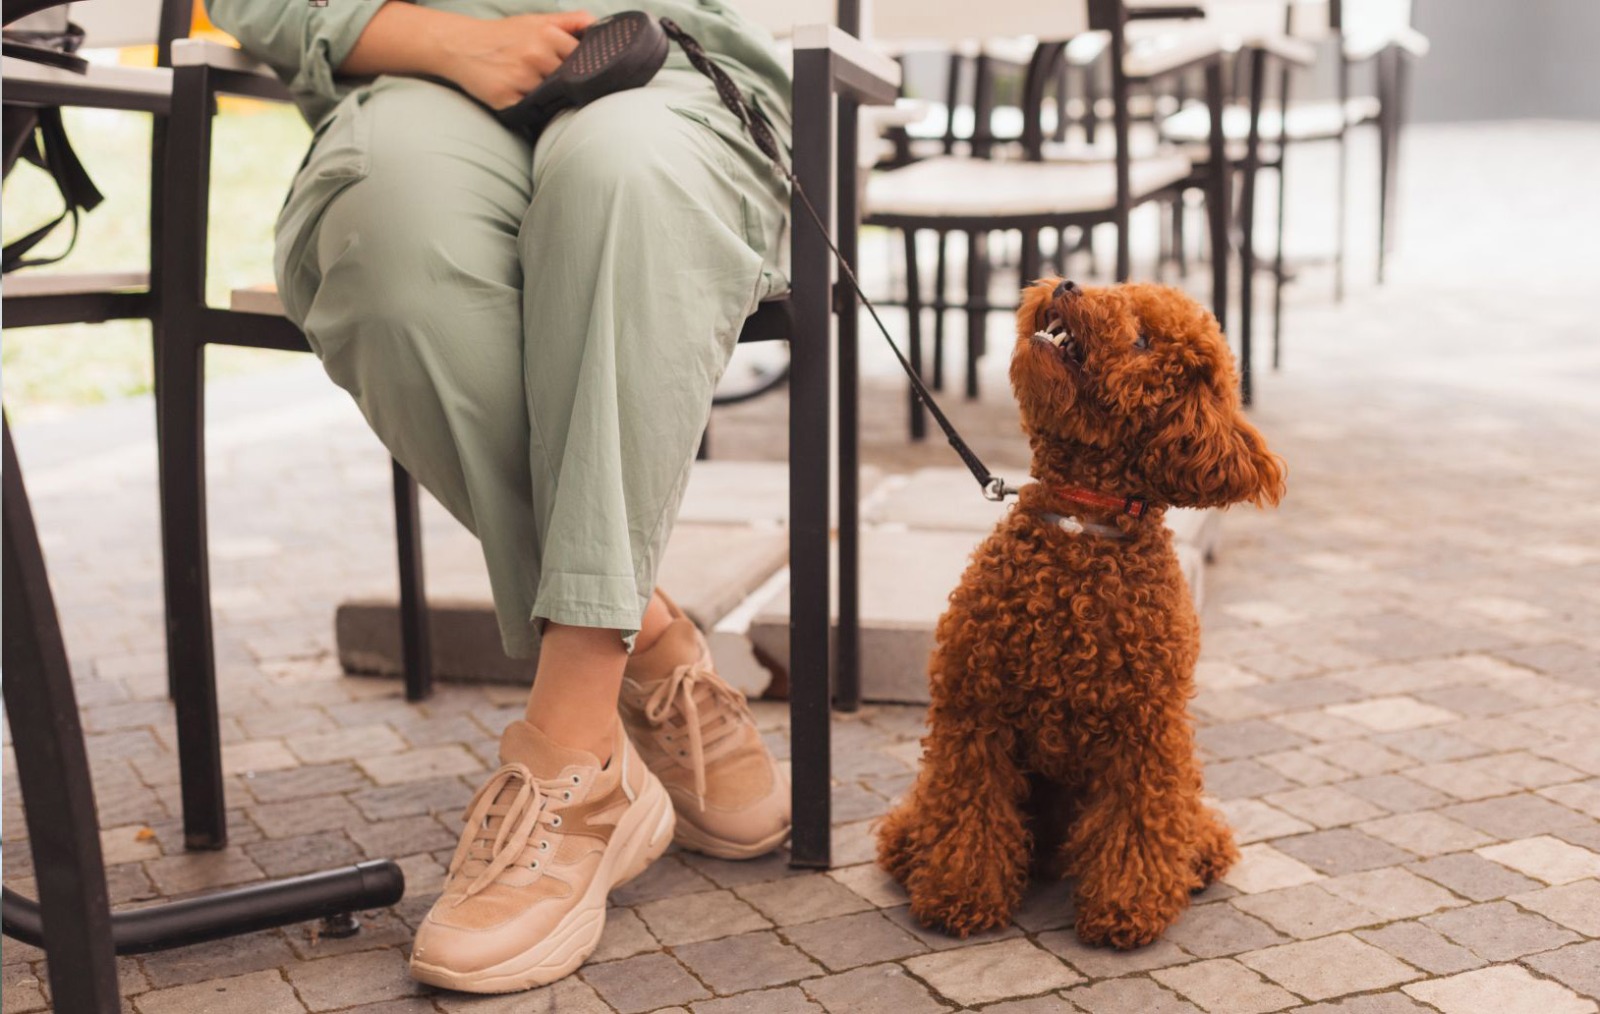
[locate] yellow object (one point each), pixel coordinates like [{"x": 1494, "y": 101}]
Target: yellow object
[{"x": 200, "y": 28}]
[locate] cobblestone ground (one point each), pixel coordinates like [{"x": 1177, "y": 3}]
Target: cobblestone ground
[{"x": 1399, "y": 701}]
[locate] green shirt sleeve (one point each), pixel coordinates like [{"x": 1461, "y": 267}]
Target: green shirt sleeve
[{"x": 301, "y": 41}]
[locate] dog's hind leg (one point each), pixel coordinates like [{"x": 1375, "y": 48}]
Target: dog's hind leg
[
  {"x": 1214, "y": 850},
  {"x": 958, "y": 844}
]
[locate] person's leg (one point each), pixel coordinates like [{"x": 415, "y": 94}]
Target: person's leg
[
  {"x": 407, "y": 282},
  {"x": 399, "y": 258},
  {"x": 654, "y": 623},
  {"x": 574, "y": 695},
  {"x": 649, "y": 240},
  {"x": 654, "y": 230}
]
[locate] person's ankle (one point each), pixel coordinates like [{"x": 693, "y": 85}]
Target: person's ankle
[
  {"x": 657, "y": 617},
  {"x": 563, "y": 734}
]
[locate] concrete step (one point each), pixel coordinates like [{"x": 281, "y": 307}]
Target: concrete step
[
  {"x": 730, "y": 539},
  {"x": 726, "y": 565},
  {"x": 918, "y": 532}
]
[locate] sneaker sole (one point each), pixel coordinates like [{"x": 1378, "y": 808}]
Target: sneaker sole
[
  {"x": 642, "y": 835},
  {"x": 696, "y": 840}
]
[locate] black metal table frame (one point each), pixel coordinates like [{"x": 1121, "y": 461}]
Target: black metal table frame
[
  {"x": 1112, "y": 17},
  {"x": 72, "y": 918}
]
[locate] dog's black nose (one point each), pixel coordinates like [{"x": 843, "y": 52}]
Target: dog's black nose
[{"x": 1067, "y": 288}]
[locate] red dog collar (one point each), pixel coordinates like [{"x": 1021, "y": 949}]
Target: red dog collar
[{"x": 1133, "y": 506}]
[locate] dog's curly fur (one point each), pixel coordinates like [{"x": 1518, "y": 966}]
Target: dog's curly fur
[{"x": 1059, "y": 735}]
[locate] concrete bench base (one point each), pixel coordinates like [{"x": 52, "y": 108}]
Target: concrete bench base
[{"x": 730, "y": 542}]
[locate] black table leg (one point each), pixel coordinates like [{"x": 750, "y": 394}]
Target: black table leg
[
  {"x": 71, "y": 920},
  {"x": 53, "y": 770}
]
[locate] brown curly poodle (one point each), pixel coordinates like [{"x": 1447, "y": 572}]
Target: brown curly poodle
[{"x": 1059, "y": 735}]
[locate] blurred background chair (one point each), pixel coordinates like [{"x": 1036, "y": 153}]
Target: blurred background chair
[
  {"x": 1260, "y": 53},
  {"x": 993, "y": 187},
  {"x": 1349, "y": 34}
]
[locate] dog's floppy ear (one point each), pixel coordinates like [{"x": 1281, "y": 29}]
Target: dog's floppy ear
[{"x": 1203, "y": 452}]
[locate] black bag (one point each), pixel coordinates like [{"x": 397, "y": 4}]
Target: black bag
[
  {"x": 614, "y": 54},
  {"x": 37, "y": 135}
]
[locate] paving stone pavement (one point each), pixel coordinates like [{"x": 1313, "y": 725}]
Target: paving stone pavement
[{"x": 1399, "y": 706}]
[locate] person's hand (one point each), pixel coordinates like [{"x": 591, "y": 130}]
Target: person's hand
[{"x": 498, "y": 61}]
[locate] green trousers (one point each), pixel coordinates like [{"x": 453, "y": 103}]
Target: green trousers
[{"x": 535, "y": 333}]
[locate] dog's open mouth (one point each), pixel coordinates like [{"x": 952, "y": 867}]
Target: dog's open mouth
[{"x": 1059, "y": 335}]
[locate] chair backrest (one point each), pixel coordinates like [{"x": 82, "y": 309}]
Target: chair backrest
[
  {"x": 123, "y": 23},
  {"x": 110, "y": 25},
  {"x": 781, "y": 16},
  {"x": 1375, "y": 18},
  {"x": 1317, "y": 19},
  {"x": 1314, "y": 20},
  {"x": 901, "y": 23},
  {"x": 1248, "y": 18}
]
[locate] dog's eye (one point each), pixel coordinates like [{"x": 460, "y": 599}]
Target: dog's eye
[{"x": 1142, "y": 342}]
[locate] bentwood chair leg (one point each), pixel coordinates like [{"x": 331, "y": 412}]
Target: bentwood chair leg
[
  {"x": 1397, "y": 95},
  {"x": 977, "y": 297},
  {"x": 952, "y": 98},
  {"x": 1063, "y": 87},
  {"x": 919, "y": 413},
  {"x": 1278, "y": 269},
  {"x": 1180, "y": 246},
  {"x": 940, "y": 303},
  {"x": 1342, "y": 208},
  {"x": 53, "y": 769},
  {"x": 1163, "y": 239},
  {"x": 1091, "y": 102},
  {"x": 1247, "y": 228},
  {"x": 1385, "y": 153},
  {"x": 416, "y": 650},
  {"x": 1217, "y": 196},
  {"x": 1029, "y": 262}
]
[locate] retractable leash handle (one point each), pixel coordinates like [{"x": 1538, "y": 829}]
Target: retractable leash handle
[{"x": 625, "y": 51}]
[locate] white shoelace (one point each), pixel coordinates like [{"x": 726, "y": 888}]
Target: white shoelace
[
  {"x": 681, "y": 685},
  {"x": 501, "y": 844}
]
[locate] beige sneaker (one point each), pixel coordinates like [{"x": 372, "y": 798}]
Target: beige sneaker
[
  {"x": 695, "y": 732},
  {"x": 547, "y": 838}
]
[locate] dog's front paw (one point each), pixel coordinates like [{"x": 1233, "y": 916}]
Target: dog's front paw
[
  {"x": 960, "y": 916},
  {"x": 1124, "y": 927}
]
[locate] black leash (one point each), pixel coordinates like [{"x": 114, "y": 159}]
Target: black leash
[{"x": 994, "y": 487}]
